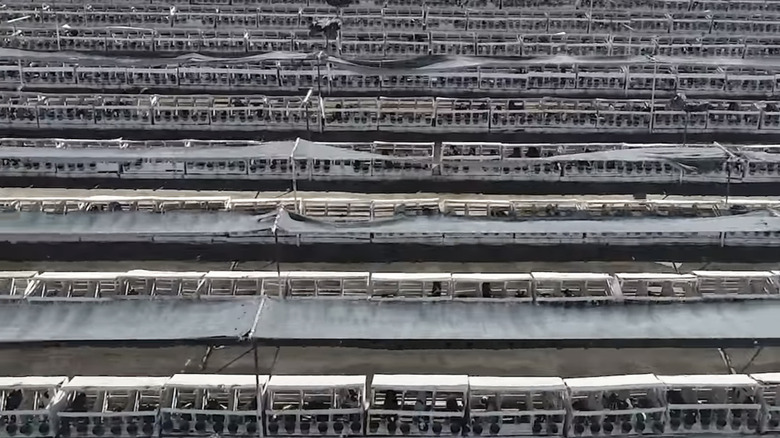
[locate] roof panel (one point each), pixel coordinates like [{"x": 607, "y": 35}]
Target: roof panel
[
  {"x": 240, "y": 275},
  {"x": 313, "y": 275},
  {"x": 704, "y": 380},
  {"x": 657, "y": 276},
  {"x": 497, "y": 324},
  {"x": 124, "y": 322},
  {"x": 32, "y": 381},
  {"x": 18, "y": 274},
  {"x": 19, "y": 226},
  {"x": 485, "y": 323},
  {"x": 491, "y": 277},
  {"x": 614, "y": 382},
  {"x": 142, "y": 273},
  {"x": 407, "y": 276},
  {"x": 229, "y": 225},
  {"x": 735, "y": 274},
  {"x": 269, "y": 150},
  {"x": 571, "y": 276},
  {"x": 516, "y": 383},
  {"x": 755, "y": 221},
  {"x": 421, "y": 381},
  {"x": 237, "y": 381},
  {"x": 314, "y": 382},
  {"x": 767, "y": 378},
  {"x": 112, "y": 382},
  {"x": 67, "y": 276}
]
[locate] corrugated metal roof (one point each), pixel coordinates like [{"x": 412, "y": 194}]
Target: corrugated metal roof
[
  {"x": 481, "y": 324},
  {"x": 412, "y": 325},
  {"x": 756, "y": 221},
  {"x": 117, "y": 323},
  {"x": 186, "y": 225}
]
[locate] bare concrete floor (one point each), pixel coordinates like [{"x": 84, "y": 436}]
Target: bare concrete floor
[{"x": 540, "y": 362}]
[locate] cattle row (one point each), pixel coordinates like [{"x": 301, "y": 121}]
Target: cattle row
[
  {"x": 512, "y": 6},
  {"x": 393, "y": 162},
  {"x": 494, "y": 240},
  {"x": 409, "y": 20},
  {"x": 332, "y": 77},
  {"x": 312, "y": 114},
  {"x": 382, "y": 45},
  {"x": 537, "y": 287},
  {"x": 356, "y": 208},
  {"x": 192, "y": 405}
]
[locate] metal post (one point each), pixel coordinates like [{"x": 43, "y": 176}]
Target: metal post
[
  {"x": 64, "y": 26},
  {"x": 294, "y": 178},
  {"x": 590, "y": 17},
  {"x": 21, "y": 74},
  {"x": 278, "y": 251},
  {"x": 16, "y": 31},
  {"x": 728, "y": 180},
  {"x": 259, "y": 395},
  {"x": 655, "y": 77},
  {"x": 729, "y": 162},
  {"x": 652, "y": 93},
  {"x": 319, "y": 74},
  {"x": 630, "y": 37}
]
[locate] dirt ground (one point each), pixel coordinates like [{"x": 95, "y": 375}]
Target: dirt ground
[{"x": 238, "y": 360}]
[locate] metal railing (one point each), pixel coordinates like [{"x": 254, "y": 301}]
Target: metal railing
[
  {"x": 533, "y": 287},
  {"x": 345, "y": 208}
]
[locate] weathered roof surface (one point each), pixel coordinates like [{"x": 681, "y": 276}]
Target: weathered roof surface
[
  {"x": 114, "y": 382},
  {"x": 359, "y": 323},
  {"x": 614, "y": 382},
  {"x": 441, "y": 382},
  {"x": 438, "y": 63},
  {"x": 707, "y": 380},
  {"x": 118, "y": 323},
  {"x": 483, "y": 383},
  {"x": 486, "y": 324},
  {"x": 271, "y": 150},
  {"x": 187, "y": 226},
  {"x": 756, "y": 221},
  {"x": 110, "y": 226},
  {"x": 215, "y": 381},
  {"x": 690, "y": 157},
  {"x": 315, "y": 381}
]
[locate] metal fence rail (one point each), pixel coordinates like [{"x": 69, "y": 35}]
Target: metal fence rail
[
  {"x": 346, "y": 208},
  {"x": 529, "y": 287}
]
